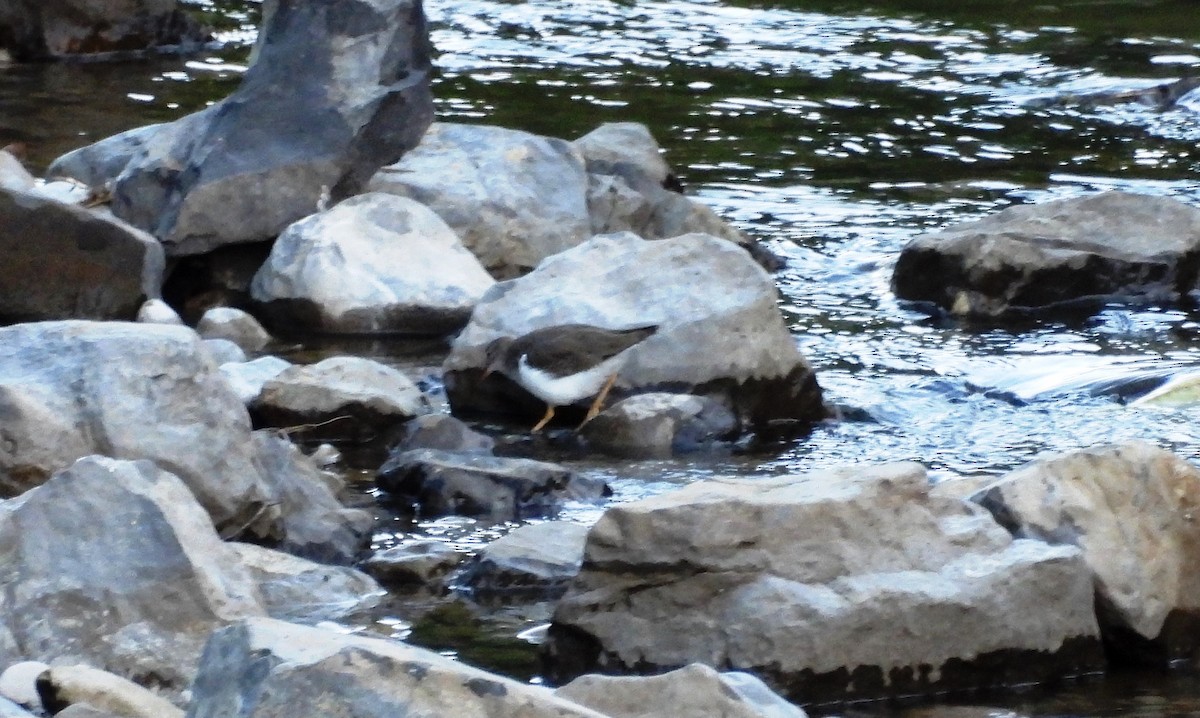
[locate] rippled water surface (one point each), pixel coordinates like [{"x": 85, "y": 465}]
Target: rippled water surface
[{"x": 836, "y": 132}]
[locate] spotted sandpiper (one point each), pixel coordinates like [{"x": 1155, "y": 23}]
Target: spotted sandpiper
[{"x": 563, "y": 364}]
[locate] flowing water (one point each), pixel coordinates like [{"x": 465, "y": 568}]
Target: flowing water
[{"x": 834, "y": 131}]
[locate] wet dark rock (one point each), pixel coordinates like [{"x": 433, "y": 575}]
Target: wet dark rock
[
  {"x": 1075, "y": 252},
  {"x": 444, "y": 432},
  {"x": 1131, "y": 508},
  {"x": 500, "y": 489},
  {"x": 373, "y": 264},
  {"x": 41, "y": 29},
  {"x": 220, "y": 278},
  {"x": 416, "y": 564},
  {"x": 720, "y": 333},
  {"x": 66, "y": 262},
  {"x": 887, "y": 590},
  {"x": 659, "y": 425},
  {"x": 532, "y": 560},
  {"x": 336, "y": 91}
]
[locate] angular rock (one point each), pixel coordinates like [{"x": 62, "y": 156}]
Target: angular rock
[
  {"x": 66, "y": 262},
  {"x": 234, "y": 325},
  {"x": 296, "y": 589},
  {"x": 442, "y": 431},
  {"x": 512, "y": 197},
  {"x": 373, "y": 264},
  {"x": 532, "y": 559},
  {"x": 659, "y": 425},
  {"x": 1084, "y": 250},
  {"x": 500, "y": 489},
  {"x": 113, "y": 563},
  {"x": 63, "y": 686},
  {"x": 133, "y": 391},
  {"x": 336, "y": 92},
  {"x": 422, "y": 563},
  {"x": 99, "y": 164},
  {"x": 41, "y": 29},
  {"x": 694, "y": 691},
  {"x": 887, "y": 590},
  {"x": 1131, "y": 508},
  {"x": 313, "y": 523},
  {"x": 347, "y": 398},
  {"x": 265, "y": 668},
  {"x": 720, "y": 331},
  {"x": 247, "y": 379}
]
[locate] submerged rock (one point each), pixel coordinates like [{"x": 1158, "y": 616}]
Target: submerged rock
[
  {"x": 1132, "y": 509},
  {"x": 886, "y": 590},
  {"x": 1113, "y": 245},
  {"x": 41, "y": 29}
]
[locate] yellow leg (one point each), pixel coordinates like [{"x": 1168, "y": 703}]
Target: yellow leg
[
  {"x": 545, "y": 419},
  {"x": 599, "y": 402}
]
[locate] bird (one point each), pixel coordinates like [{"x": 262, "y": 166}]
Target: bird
[{"x": 565, "y": 363}]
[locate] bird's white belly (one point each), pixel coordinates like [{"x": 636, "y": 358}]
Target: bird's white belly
[{"x": 560, "y": 391}]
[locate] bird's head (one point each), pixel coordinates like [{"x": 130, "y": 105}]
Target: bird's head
[{"x": 495, "y": 357}]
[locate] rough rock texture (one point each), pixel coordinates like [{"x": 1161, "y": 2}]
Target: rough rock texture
[
  {"x": 350, "y": 397},
  {"x": 1030, "y": 257},
  {"x": 883, "y": 589},
  {"x": 66, "y": 262},
  {"x": 235, "y": 325},
  {"x": 266, "y": 668},
  {"x": 512, "y": 197},
  {"x": 296, "y": 589},
  {"x": 658, "y": 425},
  {"x": 536, "y": 558},
  {"x": 40, "y": 29},
  {"x": 423, "y": 563},
  {"x": 373, "y": 264},
  {"x": 338, "y": 90},
  {"x": 313, "y": 523},
  {"x": 63, "y": 686},
  {"x": 442, "y": 431},
  {"x": 1132, "y": 509},
  {"x": 694, "y": 691},
  {"x": 501, "y": 489},
  {"x": 247, "y": 379},
  {"x": 132, "y": 391},
  {"x": 720, "y": 332},
  {"x": 113, "y": 564}
]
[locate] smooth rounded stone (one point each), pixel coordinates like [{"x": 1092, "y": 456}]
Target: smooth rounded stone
[
  {"x": 445, "y": 432},
  {"x": 336, "y": 92},
  {"x": 513, "y": 198},
  {"x": 18, "y": 683},
  {"x": 234, "y": 325},
  {"x": 99, "y": 164},
  {"x": 1131, "y": 507},
  {"x": 133, "y": 391},
  {"x": 422, "y": 563},
  {"x": 64, "y": 686},
  {"x": 888, "y": 590},
  {"x": 264, "y": 667},
  {"x": 9, "y": 709},
  {"x": 694, "y": 691},
  {"x": 347, "y": 398},
  {"x": 296, "y": 589},
  {"x": 13, "y": 175},
  {"x": 313, "y": 523},
  {"x": 156, "y": 311},
  {"x": 66, "y": 262},
  {"x": 224, "y": 351},
  {"x": 42, "y": 29},
  {"x": 498, "y": 488},
  {"x": 113, "y": 563},
  {"x": 536, "y": 558},
  {"x": 373, "y": 264},
  {"x": 247, "y": 378},
  {"x": 720, "y": 330},
  {"x": 659, "y": 425},
  {"x": 1112, "y": 245}
]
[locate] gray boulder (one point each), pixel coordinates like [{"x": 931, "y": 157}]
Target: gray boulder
[
  {"x": 445, "y": 432},
  {"x": 234, "y": 325},
  {"x": 512, "y": 197},
  {"x": 66, "y": 262},
  {"x": 886, "y": 590},
  {"x": 156, "y": 311},
  {"x": 113, "y": 564},
  {"x": 264, "y": 667},
  {"x": 500, "y": 489},
  {"x": 694, "y": 691},
  {"x": 296, "y": 589},
  {"x": 41, "y": 29},
  {"x": 336, "y": 92},
  {"x": 1113, "y": 245},
  {"x": 132, "y": 391},
  {"x": 720, "y": 330},
  {"x": 414, "y": 564},
  {"x": 1131, "y": 509},
  {"x": 659, "y": 425},
  {"x": 373, "y": 264},
  {"x": 99, "y": 164},
  {"x": 533, "y": 559},
  {"x": 63, "y": 686},
  {"x": 248, "y": 378}
]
